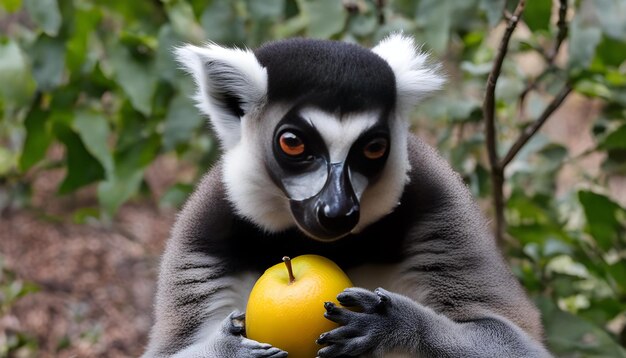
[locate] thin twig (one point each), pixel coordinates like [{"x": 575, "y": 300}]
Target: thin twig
[
  {"x": 536, "y": 125},
  {"x": 562, "y": 32},
  {"x": 532, "y": 85},
  {"x": 489, "y": 105}
]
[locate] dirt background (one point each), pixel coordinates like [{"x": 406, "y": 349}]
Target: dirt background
[{"x": 97, "y": 281}]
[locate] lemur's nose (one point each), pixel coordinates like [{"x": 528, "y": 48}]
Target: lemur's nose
[
  {"x": 338, "y": 218},
  {"x": 338, "y": 209}
]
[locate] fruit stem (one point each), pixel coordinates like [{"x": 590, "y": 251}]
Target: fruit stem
[{"x": 287, "y": 262}]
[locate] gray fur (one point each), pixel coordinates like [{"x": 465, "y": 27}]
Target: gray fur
[{"x": 447, "y": 292}]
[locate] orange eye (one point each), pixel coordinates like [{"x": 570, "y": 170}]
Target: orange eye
[
  {"x": 375, "y": 149},
  {"x": 291, "y": 144}
]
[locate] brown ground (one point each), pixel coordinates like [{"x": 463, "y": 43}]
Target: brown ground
[{"x": 96, "y": 282}]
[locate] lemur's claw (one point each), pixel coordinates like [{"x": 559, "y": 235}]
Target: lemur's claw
[{"x": 362, "y": 327}]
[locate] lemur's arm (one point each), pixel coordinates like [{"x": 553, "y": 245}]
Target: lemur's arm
[
  {"x": 200, "y": 292},
  {"x": 459, "y": 299},
  {"x": 388, "y": 322}
]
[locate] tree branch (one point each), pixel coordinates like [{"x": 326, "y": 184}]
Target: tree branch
[
  {"x": 562, "y": 33},
  {"x": 536, "y": 125},
  {"x": 531, "y": 85},
  {"x": 489, "y": 105}
]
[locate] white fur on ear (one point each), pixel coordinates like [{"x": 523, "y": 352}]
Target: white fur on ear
[
  {"x": 231, "y": 83},
  {"x": 415, "y": 78}
]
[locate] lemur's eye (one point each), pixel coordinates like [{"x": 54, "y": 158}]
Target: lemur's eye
[
  {"x": 291, "y": 144},
  {"x": 375, "y": 149}
]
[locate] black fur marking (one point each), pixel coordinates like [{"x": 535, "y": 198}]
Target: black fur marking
[
  {"x": 220, "y": 78},
  {"x": 198, "y": 299},
  {"x": 256, "y": 250},
  {"x": 187, "y": 282},
  {"x": 331, "y": 75}
]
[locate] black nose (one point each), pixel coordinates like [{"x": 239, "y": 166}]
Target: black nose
[
  {"x": 338, "y": 219},
  {"x": 338, "y": 207}
]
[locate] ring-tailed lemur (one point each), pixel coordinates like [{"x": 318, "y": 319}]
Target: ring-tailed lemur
[{"x": 317, "y": 158}]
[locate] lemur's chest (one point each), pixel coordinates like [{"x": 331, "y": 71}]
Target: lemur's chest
[
  {"x": 261, "y": 250},
  {"x": 372, "y": 276},
  {"x": 389, "y": 277}
]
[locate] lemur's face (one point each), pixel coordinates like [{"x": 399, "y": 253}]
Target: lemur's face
[
  {"x": 314, "y": 132},
  {"x": 324, "y": 162}
]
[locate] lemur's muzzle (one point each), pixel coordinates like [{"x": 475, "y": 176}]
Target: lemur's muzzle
[{"x": 334, "y": 211}]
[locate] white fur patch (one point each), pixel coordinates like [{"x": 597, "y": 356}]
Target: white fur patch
[
  {"x": 233, "y": 297},
  {"x": 223, "y": 69},
  {"x": 382, "y": 197},
  {"x": 250, "y": 188},
  {"x": 252, "y": 191},
  {"x": 415, "y": 79},
  {"x": 339, "y": 134}
]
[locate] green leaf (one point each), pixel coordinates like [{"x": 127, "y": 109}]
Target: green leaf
[
  {"x": 183, "y": 21},
  {"x": 325, "y": 18},
  {"x": 11, "y": 5},
  {"x": 602, "y": 222},
  {"x": 615, "y": 140},
  {"x": 592, "y": 88},
  {"x": 584, "y": 38},
  {"x": 493, "y": 9},
  {"x": 93, "y": 130},
  {"x": 7, "y": 161},
  {"x": 165, "y": 65},
  {"x": 612, "y": 16},
  {"x": 48, "y": 56},
  {"x": 611, "y": 51},
  {"x": 222, "y": 24},
  {"x": 129, "y": 168},
  {"x": 266, "y": 9},
  {"x": 291, "y": 27},
  {"x": 137, "y": 78},
  {"x": 83, "y": 215},
  {"x": 537, "y": 14},
  {"x": 363, "y": 24},
  {"x": 176, "y": 195},
  {"x": 618, "y": 272},
  {"x": 79, "y": 45},
  {"x": 113, "y": 192},
  {"x": 17, "y": 82},
  {"x": 476, "y": 69},
  {"x": 615, "y": 163},
  {"x": 616, "y": 78},
  {"x": 46, "y": 14},
  {"x": 82, "y": 167},
  {"x": 137, "y": 156},
  {"x": 181, "y": 121},
  {"x": 37, "y": 140},
  {"x": 571, "y": 336},
  {"x": 433, "y": 16}
]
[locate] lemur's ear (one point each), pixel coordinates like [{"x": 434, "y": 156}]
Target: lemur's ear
[
  {"x": 230, "y": 83},
  {"x": 415, "y": 77}
]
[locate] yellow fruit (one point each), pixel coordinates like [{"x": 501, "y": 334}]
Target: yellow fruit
[{"x": 290, "y": 315}]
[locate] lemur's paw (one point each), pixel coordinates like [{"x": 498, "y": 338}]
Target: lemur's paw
[
  {"x": 236, "y": 323},
  {"x": 362, "y": 328},
  {"x": 236, "y": 345},
  {"x": 254, "y": 349},
  {"x": 364, "y": 300}
]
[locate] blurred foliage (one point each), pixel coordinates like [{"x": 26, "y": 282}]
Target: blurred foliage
[
  {"x": 12, "y": 342},
  {"x": 98, "y": 78}
]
